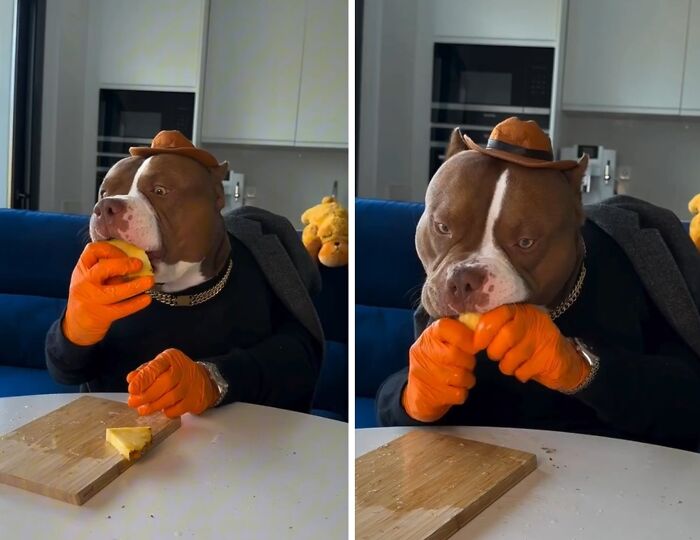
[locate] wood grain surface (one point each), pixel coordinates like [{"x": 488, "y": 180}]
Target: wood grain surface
[
  {"x": 64, "y": 454},
  {"x": 426, "y": 485}
]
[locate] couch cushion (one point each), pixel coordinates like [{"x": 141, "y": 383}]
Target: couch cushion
[
  {"x": 365, "y": 415},
  {"x": 388, "y": 272},
  {"x": 332, "y": 386},
  {"x": 16, "y": 381},
  {"x": 41, "y": 248},
  {"x": 382, "y": 339},
  {"x": 332, "y": 303},
  {"x": 24, "y": 321}
]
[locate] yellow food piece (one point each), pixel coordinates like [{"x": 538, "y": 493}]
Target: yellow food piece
[
  {"x": 130, "y": 442},
  {"x": 470, "y": 319},
  {"x": 137, "y": 253}
]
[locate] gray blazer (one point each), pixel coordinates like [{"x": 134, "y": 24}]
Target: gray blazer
[
  {"x": 278, "y": 250},
  {"x": 666, "y": 260}
]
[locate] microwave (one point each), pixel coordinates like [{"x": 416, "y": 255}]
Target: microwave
[
  {"x": 477, "y": 86},
  {"x": 133, "y": 117}
]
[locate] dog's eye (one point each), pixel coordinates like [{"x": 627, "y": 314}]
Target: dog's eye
[
  {"x": 103, "y": 194},
  {"x": 525, "y": 243},
  {"x": 442, "y": 228},
  {"x": 160, "y": 191}
]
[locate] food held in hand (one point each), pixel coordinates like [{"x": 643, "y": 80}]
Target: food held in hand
[
  {"x": 470, "y": 319},
  {"x": 137, "y": 253},
  {"x": 130, "y": 442}
]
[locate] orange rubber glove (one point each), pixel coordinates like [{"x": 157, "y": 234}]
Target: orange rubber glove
[
  {"x": 440, "y": 372},
  {"x": 173, "y": 383},
  {"x": 526, "y": 343},
  {"x": 99, "y": 294}
]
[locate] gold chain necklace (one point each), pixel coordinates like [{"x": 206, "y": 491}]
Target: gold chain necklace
[
  {"x": 183, "y": 300},
  {"x": 575, "y": 292}
]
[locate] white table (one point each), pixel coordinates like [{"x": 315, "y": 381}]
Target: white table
[
  {"x": 584, "y": 487},
  {"x": 241, "y": 471}
]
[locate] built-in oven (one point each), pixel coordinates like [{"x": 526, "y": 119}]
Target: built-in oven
[
  {"x": 477, "y": 86},
  {"x": 133, "y": 117}
]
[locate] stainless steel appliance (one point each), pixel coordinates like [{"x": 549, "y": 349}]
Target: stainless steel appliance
[
  {"x": 133, "y": 117},
  {"x": 477, "y": 86},
  {"x": 599, "y": 181}
]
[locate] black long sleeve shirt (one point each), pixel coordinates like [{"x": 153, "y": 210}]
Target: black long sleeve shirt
[
  {"x": 265, "y": 354},
  {"x": 647, "y": 387}
]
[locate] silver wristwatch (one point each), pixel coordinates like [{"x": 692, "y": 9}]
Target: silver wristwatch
[
  {"x": 218, "y": 380},
  {"x": 590, "y": 357}
]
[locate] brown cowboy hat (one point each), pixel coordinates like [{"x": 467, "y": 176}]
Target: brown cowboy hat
[
  {"x": 522, "y": 142},
  {"x": 174, "y": 142}
]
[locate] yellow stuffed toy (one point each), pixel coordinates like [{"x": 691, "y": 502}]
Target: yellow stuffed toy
[
  {"x": 326, "y": 233},
  {"x": 694, "y": 207}
]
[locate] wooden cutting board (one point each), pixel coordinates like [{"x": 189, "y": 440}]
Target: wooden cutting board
[
  {"x": 427, "y": 485},
  {"x": 64, "y": 454}
]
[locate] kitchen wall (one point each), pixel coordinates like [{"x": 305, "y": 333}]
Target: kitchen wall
[
  {"x": 7, "y": 10},
  {"x": 287, "y": 181},
  {"x": 661, "y": 151}
]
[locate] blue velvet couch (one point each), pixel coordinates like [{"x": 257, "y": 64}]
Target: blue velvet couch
[
  {"x": 388, "y": 280},
  {"x": 38, "y": 251}
]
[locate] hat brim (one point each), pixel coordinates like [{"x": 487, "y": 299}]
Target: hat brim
[
  {"x": 201, "y": 156},
  {"x": 525, "y": 161}
]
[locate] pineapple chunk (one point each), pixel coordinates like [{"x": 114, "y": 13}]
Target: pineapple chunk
[
  {"x": 130, "y": 442},
  {"x": 137, "y": 253},
  {"x": 470, "y": 319}
]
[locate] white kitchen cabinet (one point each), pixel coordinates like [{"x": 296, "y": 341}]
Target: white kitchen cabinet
[
  {"x": 251, "y": 85},
  {"x": 323, "y": 98},
  {"x": 496, "y": 19},
  {"x": 625, "y": 56},
  {"x": 150, "y": 43},
  {"x": 690, "y": 101}
]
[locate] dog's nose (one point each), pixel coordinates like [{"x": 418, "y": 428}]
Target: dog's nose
[
  {"x": 463, "y": 281},
  {"x": 109, "y": 207}
]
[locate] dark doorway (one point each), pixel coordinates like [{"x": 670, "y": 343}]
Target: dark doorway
[{"x": 26, "y": 134}]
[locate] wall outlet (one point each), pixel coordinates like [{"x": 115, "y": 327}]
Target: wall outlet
[{"x": 624, "y": 173}]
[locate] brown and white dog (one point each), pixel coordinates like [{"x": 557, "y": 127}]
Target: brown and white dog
[
  {"x": 169, "y": 205},
  {"x": 495, "y": 233}
]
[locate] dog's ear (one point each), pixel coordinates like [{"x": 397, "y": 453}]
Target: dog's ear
[
  {"x": 456, "y": 144},
  {"x": 574, "y": 177},
  {"x": 218, "y": 173}
]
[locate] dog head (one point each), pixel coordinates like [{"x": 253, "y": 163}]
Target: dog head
[
  {"x": 169, "y": 206},
  {"x": 494, "y": 233}
]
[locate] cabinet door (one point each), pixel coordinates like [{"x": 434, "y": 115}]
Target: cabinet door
[
  {"x": 251, "y": 88},
  {"x": 497, "y": 19},
  {"x": 625, "y": 56},
  {"x": 150, "y": 42},
  {"x": 690, "y": 103},
  {"x": 323, "y": 102}
]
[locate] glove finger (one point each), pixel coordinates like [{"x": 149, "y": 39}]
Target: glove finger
[
  {"x": 461, "y": 379},
  {"x": 109, "y": 268},
  {"x": 489, "y": 325},
  {"x": 177, "y": 410},
  {"x": 164, "y": 384},
  {"x": 454, "y": 356},
  {"x": 147, "y": 375},
  {"x": 455, "y": 333},
  {"x": 117, "y": 292},
  {"x": 527, "y": 370},
  {"x": 130, "y": 306},
  {"x": 95, "y": 251},
  {"x": 169, "y": 399},
  {"x": 452, "y": 395},
  {"x": 515, "y": 357},
  {"x": 507, "y": 337}
]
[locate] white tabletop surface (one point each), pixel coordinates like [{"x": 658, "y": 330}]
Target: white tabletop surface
[
  {"x": 241, "y": 471},
  {"x": 584, "y": 487}
]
